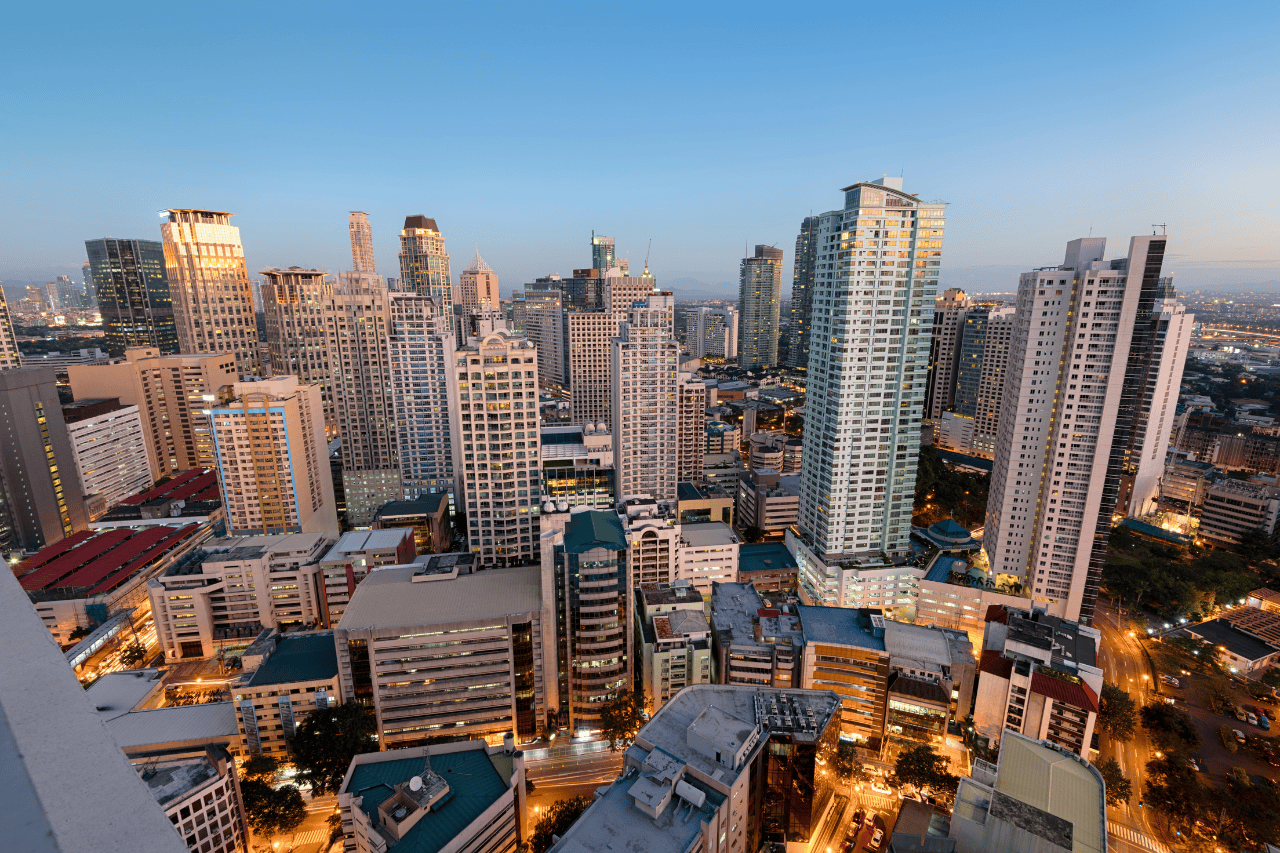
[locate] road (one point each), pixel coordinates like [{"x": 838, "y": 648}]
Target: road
[
  {"x": 1124, "y": 664},
  {"x": 560, "y": 777}
]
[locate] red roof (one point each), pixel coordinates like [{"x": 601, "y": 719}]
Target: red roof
[
  {"x": 1076, "y": 695},
  {"x": 45, "y": 555},
  {"x": 73, "y": 560},
  {"x": 193, "y": 487},
  {"x": 997, "y": 613},
  {"x": 996, "y": 664},
  {"x": 176, "y": 536},
  {"x": 163, "y": 490},
  {"x": 114, "y": 560},
  {"x": 768, "y": 613}
]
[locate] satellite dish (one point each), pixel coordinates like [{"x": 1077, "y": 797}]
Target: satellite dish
[{"x": 415, "y": 784}]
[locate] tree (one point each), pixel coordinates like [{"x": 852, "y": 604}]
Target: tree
[
  {"x": 272, "y": 811},
  {"x": 78, "y": 633},
  {"x": 259, "y": 766},
  {"x": 846, "y": 764},
  {"x": 620, "y": 719},
  {"x": 556, "y": 822},
  {"x": 1119, "y": 788},
  {"x": 921, "y": 766},
  {"x": 132, "y": 655},
  {"x": 1171, "y": 728},
  {"x": 1117, "y": 712},
  {"x": 327, "y": 741}
]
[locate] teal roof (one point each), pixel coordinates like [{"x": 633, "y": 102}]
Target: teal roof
[
  {"x": 474, "y": 785},
  {"x": 762, "y": 556},
  {"x": 844, "y": 626},
  {"x": 594, "y": 529},
  {"x": 948, "y": 527},
  {"x": 305, "y": 657}
]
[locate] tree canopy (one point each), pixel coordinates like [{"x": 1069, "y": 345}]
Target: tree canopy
[
  {"x": 1119, "y": 788},
  {"x": 559, "y": 817},
  {"x": 1117, "y": 712},
  {"x": 620, "y": 719},
  {"x": 327, "y": 741},
  {"x": 272, "y": 811},
  {"x": 1171, "y": 729},
  {"x": 259, "y": 766},
  {"x": 923, "y": 767}
]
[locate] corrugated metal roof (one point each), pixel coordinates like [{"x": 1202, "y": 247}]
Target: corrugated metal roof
[
  {"x": 594, "y": 529},
  {"x": 388, "y": 598},
  {"x": 1076, "y": 695},
  {"x": 1057, "y": 783}
]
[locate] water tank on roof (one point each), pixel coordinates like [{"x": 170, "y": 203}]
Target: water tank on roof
[
  {"x": 602, "y": 427},
  {"x": 562, "y": 505},
  {"x": 548, "y": 507}
]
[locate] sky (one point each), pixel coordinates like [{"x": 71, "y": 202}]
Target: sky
[{"x": 701, "y": 127}]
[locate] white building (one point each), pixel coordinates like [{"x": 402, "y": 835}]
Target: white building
[
  {"x": 713, "y": 331},
  {"x": 494, "y": 426},
  {"x": 1067, "y": 418},
  {"x": 645, "y": 363},
  {"x": 201, "y": 798},
  {"x": 673, "y": 642},
  {"x": 353, "y": 556},
  {"x": 708, "y": 553},
  {"x": 653, "y": 540},
  {"x": 421, "y": 345},
  {"x": 110, "y": 449}
]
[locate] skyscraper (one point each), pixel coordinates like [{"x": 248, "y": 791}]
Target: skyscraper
[
  {"x": 298, "y": 337},
  {"x": 691, "y": 428},
  {"x": 9, "y": 359},
  {"x": 544, "y": 324},
  {"x": 361, "y": 242},
  {"x": 1078, "y": 370},
  {"x": 133, "y": 294},
  {"x": 759, "y": 303},
  {"x": 69, "y": 294},
  {"x": 603, "y": 258},
  {"x": 478, "y": 286},
  {"x": 875, "y": 283},
  {"x": 273, "y": 464},
  {"x": 421, "y": 345},
  {"x": 802, "y": 291},
  {"x": 997, "y": 339},
  {"x": 944, "y": 352},
  {"x": 494, "y": 426},
  {"x": 90, "y": 292},
  {"x": 209, "y": 284},
  {"x": 41, "y": 500},
  {"x": 424, "y": 263},
  {"x": 646, "y": 403},
  {"x": 714, "y": 332}
]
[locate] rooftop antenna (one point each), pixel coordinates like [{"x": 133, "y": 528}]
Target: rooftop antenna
[{"x": 1164, "y": 229}]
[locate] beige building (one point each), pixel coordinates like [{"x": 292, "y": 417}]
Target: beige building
[
  {"x": 767, "y": 501},
  {"x": 424, "y": 263},
  {"x": 691, "y": 428},
  {"x": 477, "y": 286},
  {"x": 646, "y": 404},
  {"x": 362, "y": 259},
  {"x": 236, "y": 587},
  {"x": 201, "y": 798},
  {"x": 273, "y": 461},
  {"x": 776, "y": 451},
  {"x": 653, "y": 541},
  {"x": 590, "y": 336},
  {"x": 673, "y": 642},
  {"x": 291, "y": 675},
  {"x": 1234, "y": 509},
  {"x": 997, "y": 339},
  {"x": 754, "y": 644},
  {"x": 9, "y": 358},
  {"x": 707, "y": 555},
  {"x": 493, "y": 418},
  {"x": 353, "y": 556},
  {"x": 173, "y": 394},
  {"x": 209, "y": 283},
  {"x": 438, "y": 648},
  {"x": 298, "y": 340}
]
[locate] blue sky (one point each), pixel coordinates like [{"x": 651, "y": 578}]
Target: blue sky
[{"x": 522, "y": 127}]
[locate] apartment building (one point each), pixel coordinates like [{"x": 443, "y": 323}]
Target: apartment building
[
  {"x": 653, "y": 541},
  {"x": 109, "y": 448},
  {"x": 353, "y": 556},
  {"x": 291, "y": 675},
  {"x": 754, "y": 643},
  {"x": 201, "y": 797},
  {"x": 691, "y": 427},
  {"x": 949, "y": 312},
  {"x": 422, "y": 346},
  {"x": 707, "y": 554},
  {"x": 1234, "y": 509},
  {"x": 673, "y": 642},
  {"x": 647, "y": 401}
]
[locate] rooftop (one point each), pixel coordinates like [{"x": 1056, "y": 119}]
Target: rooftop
[
  {"x": 389, "y": 598},
  {"x": 736, "y": 611},
  {"x": 193, "y": 484},
  {"x": 119, "y": 693},
  {"x": 680, "y": 592},
  {"x": 708, "y": 534},
  {"x": 765, "y": 557},
  {"x": 369, "y": 540},
  {"x": 298, "y": 657},
  {"x": 422, "y": 505},
  {"x": 1062, "y": 787},
  {"x": 680, "y": 623},
  {"x": 1220, "y": 632},
  {"x": 211, "y": 722},
  {"x": 474, "y": 785},
  {"x": 594, "y": 529},
  {"x": 861, "y": 628},
  {"x": 237, "y": 548},
  {"x": 925, "y": 644},
  {"x": 91, "y": 563},
  {"x": 1066, "y": 641},
  {"x": 919, "y": 688},
  {"x": 174, "y": 780}
]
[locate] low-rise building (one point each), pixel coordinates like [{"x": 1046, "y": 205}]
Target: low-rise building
[
  {"x": 1186, "y": 482},
  {"x": 427, "y": 514},
  {"x": 768, "y": 566},
  {"x": 954, "y": 594},
  {"x": 673, "y": 642},
  {"x": 192, "y": 497},
  {"x": 767, "y": 501},
  {"x": 708, "y": 554},
  {"x": 1039, "y": 798},
  {"x": 439, "y": 648},
  {"x": 201, "y": 798},
  {"x": 463, "y": 797},
  {"x": 753, "y": 643},
  {"x": 722, "y": 437},
  {"x": 1239, "y": 649},
  {"x": 354, "y": 555},
  {"x": 1038, "y": 675},
  {"x": 844, "y": 651},
  {"x": 703, "y": 502},
  {"x": 235, "y": 587},
  {"x": 775, "y": 451},
  {"x": 295, "y": 674},
  {"x": 1234, "y": 509}
]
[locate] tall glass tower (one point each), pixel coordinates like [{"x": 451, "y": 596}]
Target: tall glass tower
[
  {"x": 802, "y": 292},
  {"x": 759, "y": 307},
  {"x": 424, "y": 263},
  {"x": 133, "y": 294},
  {"x": 877, "y": 263}
]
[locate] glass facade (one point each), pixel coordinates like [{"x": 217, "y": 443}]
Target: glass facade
[
  {"x": 133, "y": 294},
  {"x": 798, "y": 785},
  {"x": 759, "y": 307},
  {"x": 802, "y": 292},
  {"x": 969, "y": 369}
]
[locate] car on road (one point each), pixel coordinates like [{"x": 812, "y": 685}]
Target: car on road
[
  {"x": 1250, "y": 719},
  {"x": 1239, "y": 735},
  {"x": 881, "y": 788}
]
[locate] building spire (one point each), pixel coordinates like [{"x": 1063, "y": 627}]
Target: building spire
[{"x": 478, "y": 264}]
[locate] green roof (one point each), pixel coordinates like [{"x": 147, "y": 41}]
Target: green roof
[
  {"x": 594, "y": 529},
  {"x": 763, "y": 556},
  {"x": 302, "y": 657},
  {"x": 474, "y": 785}
]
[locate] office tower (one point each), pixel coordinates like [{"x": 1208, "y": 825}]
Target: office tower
[
  {"x": 273, "y": 461},
  {"x": 1167, "y": 329},
  {"x": 478, "y": 286},
  {"x": 493, "y": 421},
  {"x": 646, "y": 405},
  {"x": 51, "y": 299},
  {"x": 487, "y": 669},
  {"x": 354, "y": 556},
  {"x": 949, "y": 314},
  {"x": 110, "y": 448},
  {"x": 361, "y": 242},
  {"x": 68, "y": 293},
  {"x": 1071, "y": 399},
  {"x": 577, "y": 467},
  {"x": 545, "y": 324},
  {"x": 90, "y": 292},
  {"x": 35, "y": 299},
  {"x": 298, "y": 336},
  {"x": 590, "y": 336},
  {"x": 869, "y": 347},
  {"x": 515, "y": 311},
  {"x": 691, "y": 428},
  {"x": 424, "y": 264},
  {"x": 421, "y": 347},
  {"x": 9, "y": 358},
  {"x": 603, "y": 258},
  {"x": 173, "y": 393},
  {"x": 619, "y": 291},
  {"x": 583, "y": 558},
  {"x": 714, "y": 332},
  {"x": 209, "y": 284},
  {"x": 363, "y": 397},
  {"x": 41, "y": 501},
  {"x": 802, "y": 291},
  {"x": 133, "y": 294},
  {"x": 759, "y": 301}
]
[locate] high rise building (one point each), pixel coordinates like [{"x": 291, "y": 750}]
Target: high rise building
[
  {"x": 494, "y": 426},
  {"x": 41, "y": 500},
  {"x": 273, "y": 461},
  {"x": 173, "y": 394},
  {"x": 424, "y": 263},
  {"x": 603, "y": 258},
  {"x": 133, "y": 294},
  {"x": 759, "y": 303},
  {"x": 362, "y": 259},
  {"x": 110, "y": 449},
  {"x": 996, "y": 337},
  {"x": 802, "y": 291},
  {"x": 545, "y": 324},
  {"x": 876, "y": 278},
  {"x": 90, "y": 292},
  {"x": 691, "y": 428},
  {"x": 51, "y": 297},
  {"x": 714, "y": 332},
  {"x": 298, "y": 337},
  {"x": 646, "y": 400},
  {"x": 973, "y": 341},
  {"x": 69, "y": 295},
  {"x": 949, "y": 314},
  {"x": 1077, "y": 372},
  {"x": 9, "y": 358},
  {"x": 209, "y": 284},
  {"x": 478, "y": 286},
  {"x": 1167, "y": 333},
  {"x": 421, "y": 346}
]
